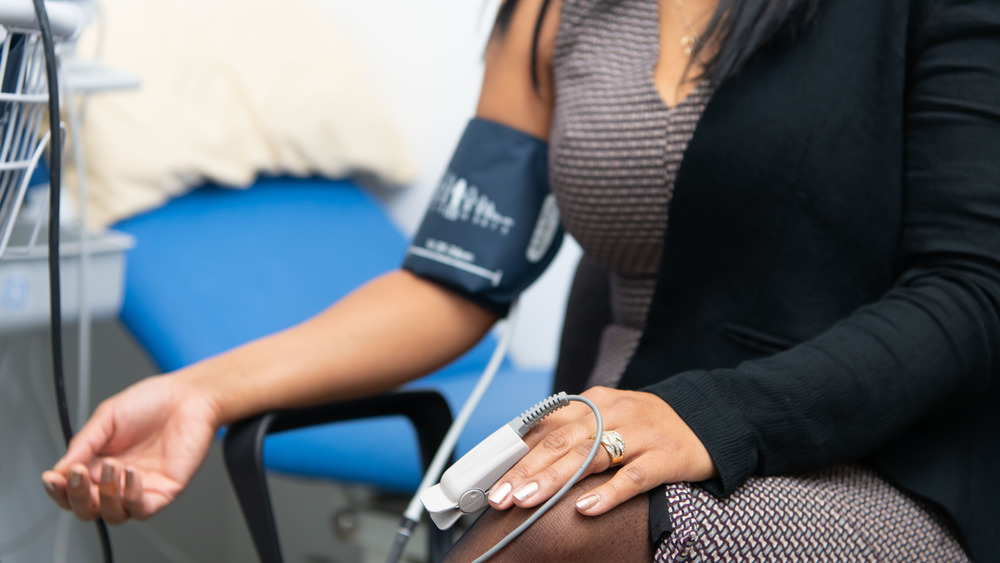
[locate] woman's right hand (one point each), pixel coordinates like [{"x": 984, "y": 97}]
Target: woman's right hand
[{"x": 136, "y": 453}]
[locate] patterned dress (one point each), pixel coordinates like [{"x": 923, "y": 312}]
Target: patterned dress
[{"x": 615, "y": 149}]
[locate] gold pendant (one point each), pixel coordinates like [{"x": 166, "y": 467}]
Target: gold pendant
[{"x": 689, "y": 42}]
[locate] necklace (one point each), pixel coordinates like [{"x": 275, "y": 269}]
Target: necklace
[{"x": 690, "y": 40}]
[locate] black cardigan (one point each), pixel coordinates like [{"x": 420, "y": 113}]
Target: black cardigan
[{"x": 830, "y": 283}]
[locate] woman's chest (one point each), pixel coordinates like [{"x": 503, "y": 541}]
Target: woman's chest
[{"x": 615, "y": 147}]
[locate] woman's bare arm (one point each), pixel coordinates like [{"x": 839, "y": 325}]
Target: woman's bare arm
[
  {"x": 391, "y": 330},
  {"x": 141, "y": 447},
  {"x": 399, "y": 326}
]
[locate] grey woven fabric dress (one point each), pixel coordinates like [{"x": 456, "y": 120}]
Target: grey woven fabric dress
[{"x": 615, "y": 148}]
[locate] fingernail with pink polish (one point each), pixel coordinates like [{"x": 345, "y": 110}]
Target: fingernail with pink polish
[
  {"x": 500, "y": 493},
  {"x": 107, "y": 473},
  {"x": 129, "y": 477},
  {"x": 50, "y": 487},
  {"x": 75, "y": 478},
  {"x": 587, "y": 502},
  {"x": 526, "y": 491}
]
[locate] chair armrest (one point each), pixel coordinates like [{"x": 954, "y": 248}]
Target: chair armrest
[{"x": 244, "y": 445}]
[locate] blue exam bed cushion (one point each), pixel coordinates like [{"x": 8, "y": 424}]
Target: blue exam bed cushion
[{"x": 219, "y": 267}]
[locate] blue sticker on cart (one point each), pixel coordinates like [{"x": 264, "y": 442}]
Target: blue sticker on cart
[{"x": 15, "y": 292}]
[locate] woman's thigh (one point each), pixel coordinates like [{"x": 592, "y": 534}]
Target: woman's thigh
[
  {"x": 563, "y": 534},
  {"x": 845, "y": 513}
]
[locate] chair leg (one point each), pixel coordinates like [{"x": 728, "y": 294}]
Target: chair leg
[
  {"x": 432, "y": 423},
  {"x": 438, "y": 541},
  {"x": 243, "y": 450}
]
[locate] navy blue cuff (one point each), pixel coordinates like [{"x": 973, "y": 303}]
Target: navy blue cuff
[{"x": 499, "y": 309}]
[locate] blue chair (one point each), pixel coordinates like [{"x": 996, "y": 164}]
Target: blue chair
[{"x": 217, "y": 268}]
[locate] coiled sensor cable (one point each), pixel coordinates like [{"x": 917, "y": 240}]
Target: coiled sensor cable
[
  {"x": 463, "y": 488},
  {"x": 530, "y": 418}
]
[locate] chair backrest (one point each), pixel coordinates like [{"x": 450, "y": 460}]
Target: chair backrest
[{"x": 588, "y": 312}]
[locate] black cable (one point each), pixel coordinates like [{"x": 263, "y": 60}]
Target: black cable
[{"x": 55, "y": 291}]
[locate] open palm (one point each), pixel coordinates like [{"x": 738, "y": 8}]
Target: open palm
[{"x": 136, "y": 454}]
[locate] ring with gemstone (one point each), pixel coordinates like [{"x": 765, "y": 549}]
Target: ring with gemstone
[{"x": 615, "y": 446}]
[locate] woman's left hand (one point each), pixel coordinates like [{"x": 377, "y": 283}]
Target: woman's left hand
[{"x": 659, "y": 448}]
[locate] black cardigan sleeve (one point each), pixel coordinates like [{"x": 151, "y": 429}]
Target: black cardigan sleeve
[{"x": 931, "y": 343}]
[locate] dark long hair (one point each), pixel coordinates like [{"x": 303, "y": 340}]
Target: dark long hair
[{"x": 739, "y": 27}]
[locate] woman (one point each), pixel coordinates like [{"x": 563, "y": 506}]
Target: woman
[{"x": 811, "y": 341}]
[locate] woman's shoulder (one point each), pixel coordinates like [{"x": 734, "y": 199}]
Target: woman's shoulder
[{"x": 517, "y": 85}]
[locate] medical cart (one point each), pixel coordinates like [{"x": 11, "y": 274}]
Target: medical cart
[{"x": 32, "y": 528}]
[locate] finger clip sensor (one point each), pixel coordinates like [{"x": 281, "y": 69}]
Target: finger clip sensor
[{"x": 464, "y": 486}]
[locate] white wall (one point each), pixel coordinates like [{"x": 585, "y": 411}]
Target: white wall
[{"x": 425, "y": 58}]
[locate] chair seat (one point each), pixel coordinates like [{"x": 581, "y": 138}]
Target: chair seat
[{"x": 218, "y": 267}]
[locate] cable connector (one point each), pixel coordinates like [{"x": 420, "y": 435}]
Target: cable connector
[{"x": 529, "y": 418}]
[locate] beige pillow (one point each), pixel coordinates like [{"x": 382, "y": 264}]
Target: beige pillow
[{"x": 230, "y": 89}]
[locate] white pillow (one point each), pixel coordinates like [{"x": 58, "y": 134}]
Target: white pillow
[{"x": 230, "y": 89}]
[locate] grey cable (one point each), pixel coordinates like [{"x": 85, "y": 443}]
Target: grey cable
[
  {"x": 576, "y": 477},
  {"x": 414, "y": 510},
  {"x": 85, "y": 322}
]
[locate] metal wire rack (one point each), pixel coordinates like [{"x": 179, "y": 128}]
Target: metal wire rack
[{"x": 23, "y": 97}]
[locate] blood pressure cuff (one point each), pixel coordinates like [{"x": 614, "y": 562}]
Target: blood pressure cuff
[{"x": 492, "y": 226}]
